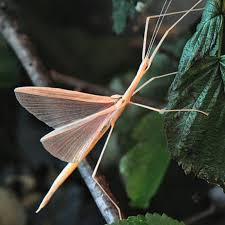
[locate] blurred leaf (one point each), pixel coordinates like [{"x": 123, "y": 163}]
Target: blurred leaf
[
  {"x": 149, "y": 219},
  {"x": 196, "y": 141},
  {"x": 124, "y": 9},
  {"x": 176, "y": 49},
  {"x": 121, "y": 10},
  {"x": 144, "y": 166},
  {"x": 120, "y": 83},
  {"x": 8, "y": 66}
]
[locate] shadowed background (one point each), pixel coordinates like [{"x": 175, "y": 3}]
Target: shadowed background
[{"x": 76, "y": 39}]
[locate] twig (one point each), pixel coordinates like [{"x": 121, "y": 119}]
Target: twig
[
  {"x": 96, "y": 89},
  {"x": 39, "y": 76},
  {"x": 196, "y": 218},
  {"x": 24, "y": 50},
  {"x": 80, "y": 85},
  {"x": 108, "y": 211}
]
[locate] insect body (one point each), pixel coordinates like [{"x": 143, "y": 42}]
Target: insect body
[{"x": 80, "y": 119}]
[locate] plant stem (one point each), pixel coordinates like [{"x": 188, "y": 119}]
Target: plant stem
[{"x": 97, "y": 89}]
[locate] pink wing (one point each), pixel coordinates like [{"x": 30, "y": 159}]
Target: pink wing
[
  {"x": 73, "y": 142},
  {"x": 58, "y": 107}
]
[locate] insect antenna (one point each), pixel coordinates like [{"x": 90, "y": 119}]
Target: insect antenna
[
  {"x": 152, "y": 56},
  {"x": 155, "y": 29},
  {"x": 148, "y": 55},
  {"x": 158, "y": 25}
]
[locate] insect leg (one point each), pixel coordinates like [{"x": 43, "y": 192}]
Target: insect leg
[
  {"x": 155, "y": 17},
  {"x": 102, "y": 152},
  {"x": 96, "y": 168},
  {"x": 111, "y": 200},
  {"x": 152, "y": 79},
  {"x": 144, "y": 54},
  {"x": 152, "y": 56},
  {"x": 162, "y": 111}
]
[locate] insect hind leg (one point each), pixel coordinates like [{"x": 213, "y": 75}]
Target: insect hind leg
[
  {"x": 95, "y": 172},
  {"x": 102, "y": 152},
  {"x": 108, "y": 196}
]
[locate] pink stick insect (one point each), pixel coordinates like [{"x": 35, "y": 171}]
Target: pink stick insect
[{"x": 80, "y": 120}]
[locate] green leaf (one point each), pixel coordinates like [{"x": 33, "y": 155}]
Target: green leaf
[
  {"x": 144, "y": 166},
  {"x": 197, "y": 141},
  {"x": 207, "y": 39},
  {"x": 122, "y": 10},
  {"x": 149, "y": 219}
]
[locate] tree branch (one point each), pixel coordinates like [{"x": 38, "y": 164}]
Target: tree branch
[
  {"x": 39, "y": 76},
  {"x": 108, "y": 210},
  {"x": 24, "y": 50},
  {"x": 96, "y": 89}
]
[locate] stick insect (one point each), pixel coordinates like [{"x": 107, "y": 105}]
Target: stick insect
[{"x": 80, "y": 119}]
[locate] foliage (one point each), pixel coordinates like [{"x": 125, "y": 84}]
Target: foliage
[
  {"x": 149, "y": 219},
  {"x": 196, "y": 141},
  {"x": 144, "y": 166},
  {"x": 122, "y": 10}
]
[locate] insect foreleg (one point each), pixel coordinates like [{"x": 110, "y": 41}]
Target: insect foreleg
[
  {"x": 152, "y": 56},
  {"x": 158, "y": 16}
]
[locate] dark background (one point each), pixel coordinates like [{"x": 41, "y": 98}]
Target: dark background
[{"x": 76, "y": 38}]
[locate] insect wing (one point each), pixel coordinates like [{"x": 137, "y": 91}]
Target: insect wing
[
  {"x": 58, "y": 107},
  {"x": 73, "y": 142}
]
